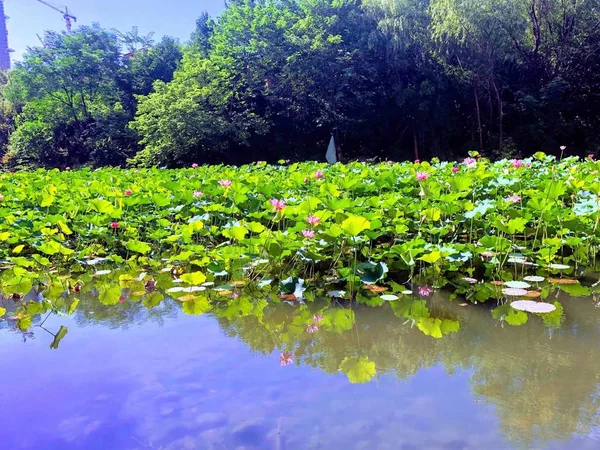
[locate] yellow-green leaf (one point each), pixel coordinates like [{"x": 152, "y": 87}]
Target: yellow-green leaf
[
  {"x": 432, "y": 257},
  {"x": 18, "y": 248},
  {"x": 358, "y": 369},
  {"x": 354, "y": 225},
  {"x": 64, "y": 228},
  {"x": 432, "y": 214},
  {"x": 193, "y": 278}
]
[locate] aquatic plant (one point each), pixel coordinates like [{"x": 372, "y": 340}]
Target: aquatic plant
[{"x": 359, "y": 231}]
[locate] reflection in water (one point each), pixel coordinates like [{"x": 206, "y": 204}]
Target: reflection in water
[{"x": 542, "y": 382}]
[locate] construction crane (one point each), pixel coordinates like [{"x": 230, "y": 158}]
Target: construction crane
[{"x": 69, "y": 18}]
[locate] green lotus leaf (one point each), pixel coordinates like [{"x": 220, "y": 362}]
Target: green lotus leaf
[
  {"x": 138, "y": 247},
  {"x": 196, "y": 307},
  {"x": 355, "y": 225},
  {"x": 193, "y": 278},
  {"x": 109, "y": 295},
  {"x": 62, "y": 332},
  {"x": 358, "y": 369}
]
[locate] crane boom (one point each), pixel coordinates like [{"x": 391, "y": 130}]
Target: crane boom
[{"x": 66, "y": 15}]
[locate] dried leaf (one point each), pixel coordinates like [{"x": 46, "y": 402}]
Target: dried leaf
[{"x": 374, "y": 288}]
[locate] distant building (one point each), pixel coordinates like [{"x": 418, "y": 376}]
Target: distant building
[{"x": 4, "y": 51}]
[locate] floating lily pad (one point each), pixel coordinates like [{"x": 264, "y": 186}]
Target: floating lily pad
[
  {"x": 533, "y": 307},
  {"x": 558, "y": 266},
  {"x": 517, "y": 284},
  {"x": 375, "y": 288},
  {"x": 389, "y": 297},
  {"x": 563, "y": 281},
  {"x": 336, "y": 294},
  {"x": 514, "y": 292},
  {"x": 102, "y": 272},
  {"x": 175, "y": 289},
  {"x": 533, "y": 294},
  {"x": 534, "y": 278},
  {"x": 195, "y": 289}
]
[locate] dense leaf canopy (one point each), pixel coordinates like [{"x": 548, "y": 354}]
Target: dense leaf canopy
[{"x": 273, "y": 79}]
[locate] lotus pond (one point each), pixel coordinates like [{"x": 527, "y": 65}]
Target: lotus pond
[
  {"x": 317, "y": 287},
  {"x": 255, "y": 374}
]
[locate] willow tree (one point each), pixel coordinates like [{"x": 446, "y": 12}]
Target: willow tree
[{"x": 474, "y": 40}]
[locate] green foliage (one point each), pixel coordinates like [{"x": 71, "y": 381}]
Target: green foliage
[
  {"x": 272, "y": 80},
  {"x": 76, "y": 96},
  {"x": 358, "y": 369}
]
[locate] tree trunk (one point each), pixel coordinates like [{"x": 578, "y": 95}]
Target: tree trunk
[
  {"x": 416, "y": 143},
  {"x": 500, "y": 114},
  {"x": 479, "y": 130}
]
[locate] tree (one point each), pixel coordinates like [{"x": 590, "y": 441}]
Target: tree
[
  {"x": 77, "y": 96},
  {"x": 7, "y": 115},
  {"x": 133, "y": 41},
  {"x": 274, "y": 77},
  {"x": 140, "y": 70},
  {"x": 66, "y": 87},
  {"x": 201, "y": 35}
]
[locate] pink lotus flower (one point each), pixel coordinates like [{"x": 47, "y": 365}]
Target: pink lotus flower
[
  {"x": 128, "y": 192},
  {"x": 470, "y": 280},
  {"x": 67, "y": 168},
  {"x": 425, "y": 291},
  {"x": 198, "y": 194},
  {"x": 235, "y": 295},
  {"x": 1, "y": 197},
  {"x": 114, "y": 225},
  {"x": 308, "y": 234},
  {"x": 417, "y": 161},
  {"x": 470, "y": 162},
  {"x": 279, "y": 205},
  {"x": 318, "y": 175},
  {"x": 312, "y": 328},
  {"x": 313, "y": 220},
  {"x": 194, "y": 166},
  {"x": 455, "y": 169},
  {"x": 563, "y": 147},
  {"x": 286, "y": 358},
  {"x": 422, "y": 176},
  {"x": 390, "y": 161},
  {"x": 528, "y": 165},
  {"x": 225, "y": 183},
  {"x": 516, "y": 163},
  {"x": 318, "y": 318},
  {"x": 591, "y": 156},
  {"x": 514, "y": 198}
]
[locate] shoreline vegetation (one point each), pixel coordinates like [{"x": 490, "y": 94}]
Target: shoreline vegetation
[{"x": 511, "y": 233}]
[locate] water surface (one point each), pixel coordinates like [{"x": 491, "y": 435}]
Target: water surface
[{"x": 125, "y": 377}]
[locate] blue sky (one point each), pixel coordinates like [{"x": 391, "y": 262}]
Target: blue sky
[{"x": 172, "y": 17}]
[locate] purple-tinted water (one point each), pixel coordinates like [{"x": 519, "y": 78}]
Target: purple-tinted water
[{"x": 179, "y": 382}]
